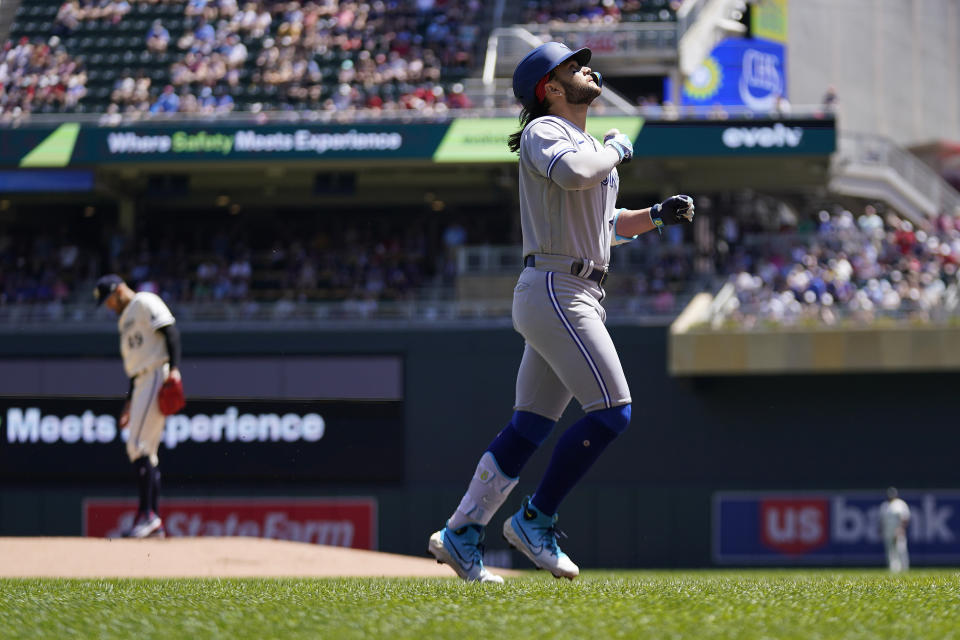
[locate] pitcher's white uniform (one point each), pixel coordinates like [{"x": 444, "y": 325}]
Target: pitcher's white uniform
[
  {"x": 568, "y": 351},
  {"x": 894, "y": 518},
  {"x": 145, "y": 360}
]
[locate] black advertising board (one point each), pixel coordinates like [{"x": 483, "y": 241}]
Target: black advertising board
[{"x": 340, "y": 441}]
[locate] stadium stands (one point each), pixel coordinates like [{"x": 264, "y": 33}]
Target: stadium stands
[
  {"x": 39, "y": 77},
  {"x": 218, "y": 56},
  {"x": 827, "y": 266},
  {"x": 600, "y": 11},
  {"x": 324, "y": 260},
  {"x": 849, "y": 269}
]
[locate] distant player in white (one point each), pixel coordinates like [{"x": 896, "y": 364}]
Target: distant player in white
[
  {"x": 894, "y": 520},
  {"x": 150, "y": 347},
  {"x": 569, "y": 218}
]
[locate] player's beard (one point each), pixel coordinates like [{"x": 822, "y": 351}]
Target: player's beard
[{"x": 580, "y": 93}]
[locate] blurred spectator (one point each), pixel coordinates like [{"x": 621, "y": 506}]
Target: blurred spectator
[
  {"x": 717, "y": 112},
  {"x": 168, "y": 102},
  {"x": 830, "y": 100},
  {"x": 781, "y": 106},
  {"x": 157, "y": 37},
  {"x": 68, "y": 18},
  {"x": 130, "y": 94}
]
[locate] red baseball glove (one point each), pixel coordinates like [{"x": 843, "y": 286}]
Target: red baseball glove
[{"x": 170, "y": 397}]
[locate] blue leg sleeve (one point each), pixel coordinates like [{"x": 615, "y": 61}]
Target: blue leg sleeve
[
  {"x": 576, "y": 451},
  {"x": 514, "y": 445}
]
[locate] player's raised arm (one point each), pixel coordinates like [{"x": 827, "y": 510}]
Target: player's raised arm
[
  {"x": 586, "y": 168},
  {"x": 574, "y": 165}
]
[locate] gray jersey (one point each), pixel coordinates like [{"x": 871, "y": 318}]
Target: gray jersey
[
  {"x": 568, "y": 194},
  {"x": 560, "y": 218}
]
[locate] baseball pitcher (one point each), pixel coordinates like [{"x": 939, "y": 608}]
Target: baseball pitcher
[
  {"x": 569, "y": 219},
  {"x": 150, "y": 348}
]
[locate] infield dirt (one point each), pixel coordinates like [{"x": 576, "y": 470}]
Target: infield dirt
[{"x": 201, "y": 558}]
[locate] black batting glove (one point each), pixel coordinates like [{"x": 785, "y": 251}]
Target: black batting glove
[{"x": 673, "y": 210}]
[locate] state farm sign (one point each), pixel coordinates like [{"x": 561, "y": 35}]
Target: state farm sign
[{"x": 342, "y": 522}]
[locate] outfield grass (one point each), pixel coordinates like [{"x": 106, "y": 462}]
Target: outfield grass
[{"x": 684, "y": 604}]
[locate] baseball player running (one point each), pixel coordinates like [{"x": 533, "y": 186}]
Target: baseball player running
[
  {"x": 569, "y": 220},
  {"x": 150, "y": 347}
]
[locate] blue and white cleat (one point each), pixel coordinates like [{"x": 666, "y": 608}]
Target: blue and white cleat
[
  {"x": 534, "y": 534},
  {"x": 463, "y": 551}
]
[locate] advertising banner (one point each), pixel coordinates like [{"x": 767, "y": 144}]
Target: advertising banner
[
  {"x": 736, "y": 138},
  {"x": 463, "y": 140},
  {"x": 739, "y": 72},
  {"x": 74, "y": 438},
  {"x": 830, "y": 528},
  {"x": 768, "y": 20},
  {"x": 71, "y": 144},
  {"x": 341, "y": 522}
]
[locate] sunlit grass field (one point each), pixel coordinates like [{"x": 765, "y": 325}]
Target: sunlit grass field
[{"x": 636, "y": 604}]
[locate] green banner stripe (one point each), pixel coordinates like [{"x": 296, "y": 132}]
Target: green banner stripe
[
  {"x": 56, "y": 150},
  {"x": 485, "y": 139}
]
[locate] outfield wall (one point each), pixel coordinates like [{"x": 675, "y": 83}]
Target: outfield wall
[{"x": 650, "y": 498}]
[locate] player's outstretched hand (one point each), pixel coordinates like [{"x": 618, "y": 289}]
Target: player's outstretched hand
[
  {"x": 620, "y": 143},
  {"x": 673, "y": 210}
]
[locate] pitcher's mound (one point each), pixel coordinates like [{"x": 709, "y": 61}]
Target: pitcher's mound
[{"x": 200, "y": 558}]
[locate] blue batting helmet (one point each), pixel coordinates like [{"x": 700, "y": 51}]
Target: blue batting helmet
[{"x": 538, "y": 63}]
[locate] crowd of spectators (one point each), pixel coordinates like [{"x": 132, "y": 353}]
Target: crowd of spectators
[
  {"x": 334, "y": 55},
  {"x": 377, "y": 260},
  {"x": 38, "y": 77},
  {"x": 851, "y": 267},
  {"x": 824, "y": 269},
  {"x": 73, "y": 12},
  {"x": 253, "y": 55},
  {"x": 599, "y": 11},
  {"x": 132, "y": 96}
]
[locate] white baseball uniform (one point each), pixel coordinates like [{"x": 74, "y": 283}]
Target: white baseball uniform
[
  {"x": 894, "y": 516},
  {"x": 568, "y": 195},
  {"x": 145, "y": 359}
]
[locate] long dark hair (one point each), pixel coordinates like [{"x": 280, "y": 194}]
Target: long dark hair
[{"x": 527, "y": 115}]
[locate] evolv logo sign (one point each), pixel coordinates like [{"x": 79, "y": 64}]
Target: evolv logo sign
[{"x": 766, "y": 137}]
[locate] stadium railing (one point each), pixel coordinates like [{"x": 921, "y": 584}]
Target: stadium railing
[
  {"x": 865, "y": 164},
  {"x": 498, "y": 259},
  {"x": 350, "y": 314},
  {"x": 502, "y": 106}
]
